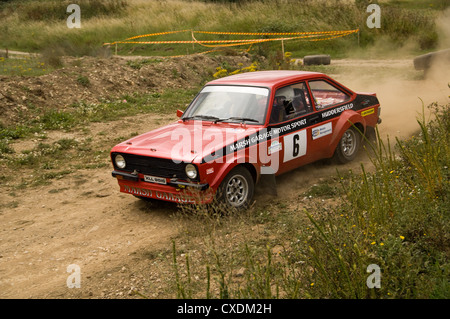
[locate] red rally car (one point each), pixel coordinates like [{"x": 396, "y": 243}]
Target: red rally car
[{"x": 240, "y": 127}]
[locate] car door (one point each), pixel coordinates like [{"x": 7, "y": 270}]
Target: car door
[{"x": 290, "y": 109}]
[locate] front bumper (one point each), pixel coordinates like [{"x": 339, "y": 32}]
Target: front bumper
[
  {"x": 134, "y": 177},
  {"x": 173, "y": 191}
]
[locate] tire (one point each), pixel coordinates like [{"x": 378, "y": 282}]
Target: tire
[
  {"x": 320, "y": 59},
  {"x": 424, "y": 62},
  {"x": 348, "y": 146},
  {"x": 237, "y": 189}
]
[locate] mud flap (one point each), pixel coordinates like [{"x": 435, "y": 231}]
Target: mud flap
[{"x": 267, "y": 184}]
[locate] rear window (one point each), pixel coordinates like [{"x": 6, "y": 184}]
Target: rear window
[{"x": 326, "y": 95}]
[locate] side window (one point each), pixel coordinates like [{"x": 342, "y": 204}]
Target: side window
[
  {"x": 290, "y": 102},
  {"x": 326, "y": 95}
]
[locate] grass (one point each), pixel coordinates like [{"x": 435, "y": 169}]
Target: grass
[
  {"x": 395, "y": 217},
  {"x": 27, "y": 66},
  {"x": 418, "y": 4},
  {"x": 46, "y": 161},
  {"x": 108, "y": 21},
  {"x": 56, "y": 10},
  {"x": 165, "y": 102},
  {"x": 81, "y": 113}
]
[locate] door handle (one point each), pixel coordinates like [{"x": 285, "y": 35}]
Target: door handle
[{"x": 314, "y": 119}]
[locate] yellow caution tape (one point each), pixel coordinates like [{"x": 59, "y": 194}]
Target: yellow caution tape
[
  {"x": 147, "y": 35},
  {"x": 306, "y": 36},
  {"x": 242, "y": 41},
  {"x": 303, "y": 35},
  {"x": 277, "y": 33},
  {"x": 155, "y": 34}
]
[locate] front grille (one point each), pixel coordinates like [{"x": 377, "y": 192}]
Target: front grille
[{"x": 154, "y": 166}]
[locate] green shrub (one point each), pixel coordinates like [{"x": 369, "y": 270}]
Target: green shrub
[
  {"x": 5, "y": 148},
  {"x": 54, "y": 119},
  {"x": 84, "y": 81}
]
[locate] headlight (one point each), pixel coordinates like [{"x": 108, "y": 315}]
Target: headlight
[
  {"x": 120, "y": 161},
  {"x": 191, "y": 171}
]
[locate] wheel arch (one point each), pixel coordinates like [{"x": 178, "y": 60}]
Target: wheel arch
[
  {"x": 226, "y": 169},
  {"x": 347, "y": 119},
  {"x": 252, "y": 169}
]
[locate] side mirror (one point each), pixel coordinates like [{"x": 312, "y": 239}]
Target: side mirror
[{"x": 180, "y": 113}]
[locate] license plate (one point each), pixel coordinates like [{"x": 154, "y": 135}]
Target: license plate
[{"x": 154, "y": 179}]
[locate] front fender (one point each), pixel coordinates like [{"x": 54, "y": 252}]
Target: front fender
[
  {"x": 347, "y": 119},
  {"x": 222, "y": 169}
]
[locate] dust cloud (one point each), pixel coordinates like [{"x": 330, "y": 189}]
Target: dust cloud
[
  {"x": 404, "y": 94},
  {"x": 402, "y": 101},
  {"x": 443, "y": 27},
  {"x": 388, "y": 70}
]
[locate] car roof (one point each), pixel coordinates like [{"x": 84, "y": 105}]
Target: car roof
[{"x": 266, "y": 78}]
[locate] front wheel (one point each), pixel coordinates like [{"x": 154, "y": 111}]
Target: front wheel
[
  {"x": 237, "y": 189},
  {"x": 348, "y": 146}
]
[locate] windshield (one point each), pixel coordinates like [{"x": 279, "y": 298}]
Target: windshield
[{"x": 226, "y": 103}]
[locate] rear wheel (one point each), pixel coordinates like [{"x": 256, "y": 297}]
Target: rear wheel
[
  {"x": 237, "y": 189},
  {"x": 348, "y": 146}
]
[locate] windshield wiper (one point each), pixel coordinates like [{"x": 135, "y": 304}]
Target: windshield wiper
[
  {"x": 204, "y": 117},
  {"x": 235, "y": 118}
]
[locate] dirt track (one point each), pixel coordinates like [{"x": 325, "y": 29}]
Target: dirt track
[{"x": 83, "y": 219}]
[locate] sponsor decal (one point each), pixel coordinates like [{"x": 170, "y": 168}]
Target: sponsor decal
[
  {"x": 368, "y": 112},
  {"x": 266, "y": 134},
  {"x": 253, "y": 139},
  {"x": 337, "y": 110},
  {"x": 155, "y": 194},
  {"x": 290, "y": 126},
  {"x": 275, "y": 147},
  {"x": 210, "y": 171},
  {"x": 321, "y": 130}
]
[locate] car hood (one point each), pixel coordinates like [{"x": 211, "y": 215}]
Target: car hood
[{"x": 188, "y": 141}]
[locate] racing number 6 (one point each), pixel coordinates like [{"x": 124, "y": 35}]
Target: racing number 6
[{"x": 296, "y": 145}]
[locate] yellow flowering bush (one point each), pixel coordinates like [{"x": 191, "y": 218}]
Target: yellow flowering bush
[{"x": 221, "y": 72}]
